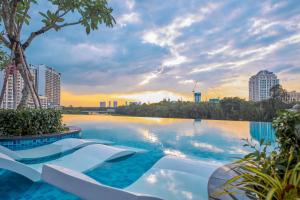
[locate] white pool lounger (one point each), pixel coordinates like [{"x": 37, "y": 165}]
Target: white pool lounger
[
  {"x": 61, "y": 146},
  {"x": 81, "y": 160},
  {"x": 170, "y": 178}
]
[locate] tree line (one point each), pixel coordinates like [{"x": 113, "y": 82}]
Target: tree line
[{"x": 232, "y": 108}]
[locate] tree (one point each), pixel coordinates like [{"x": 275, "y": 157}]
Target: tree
[
  {"x": 278, "y": 93},
  {"x": 14, "y": 14}
]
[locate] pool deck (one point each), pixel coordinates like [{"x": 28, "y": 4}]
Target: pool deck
[{"x": 217, "y": 180}]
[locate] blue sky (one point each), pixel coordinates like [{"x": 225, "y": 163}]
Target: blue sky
[{"x": 160, "y": 48}]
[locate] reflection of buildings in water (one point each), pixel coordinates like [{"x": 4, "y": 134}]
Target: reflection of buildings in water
[
  {"x": 196, "y": 124},
  {"x": 262, "y": 131},
  {"x": 197, "y": 120}
]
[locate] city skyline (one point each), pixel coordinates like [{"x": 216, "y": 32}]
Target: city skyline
[
  {"x": 167, "y": 49},
  {"x": 47, "y": 82}
]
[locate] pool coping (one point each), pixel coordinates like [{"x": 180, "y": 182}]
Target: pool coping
[
  {"x": 218, "y": 178},
  {"x": 72, "y": 130}
]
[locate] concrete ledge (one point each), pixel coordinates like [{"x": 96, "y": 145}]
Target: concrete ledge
[{"x": 217, "y": 180}]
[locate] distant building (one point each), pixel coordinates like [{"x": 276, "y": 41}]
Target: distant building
[
  {"x": 48, "y": 82},
  {"x": 214, "y": 100},
  {"x": 44, "y": 102},
  {"x": 1, "y": 79},
  {"x": 102, "y": 104},
  {"x": 109, "y": 104},
  {"x": 115, "y": 104},
  {"x": 11, "y": 99},
  {"x": 135, "y": 103},
  {"x": 197, "y": 97},
  {"x": 293, "y": 96},
  {"x": 260, "y": 85}
]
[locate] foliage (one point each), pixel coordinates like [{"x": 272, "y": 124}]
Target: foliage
[
  {"x": 30, "y": 122},
  {"x": 275, "y": 174},
  {"x": 228, "y": 108},
  {"x": 261, "y": 184},
  {"x": 277, "y": 92},
  {"x": 288, "y": 130},
  {"x": 4, "y": 59},
  {"x": 63, "y": 13}
]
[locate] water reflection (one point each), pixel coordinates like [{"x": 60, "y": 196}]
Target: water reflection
[
  {"x": 215, "y": 140},
  {"x": 262, "y": 131}
]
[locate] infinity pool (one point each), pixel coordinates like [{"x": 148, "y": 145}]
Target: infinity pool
[{"x": 208, "y": 140}]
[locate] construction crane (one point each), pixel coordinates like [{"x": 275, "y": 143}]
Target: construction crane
[{"x": 195, "y": 86}]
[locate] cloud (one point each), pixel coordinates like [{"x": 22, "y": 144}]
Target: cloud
[
  {"x": 184, "y": 82},
  {"x": 153, "y": 96},
  {"x": 165, "y": 37},
  {"x": 170, "y": 46},
  {"x": 129, "y": 18},
  {"x": 207, "y": 147},
  {"x": 130, "y": 4},
  {"x": 86, "y": 52}
]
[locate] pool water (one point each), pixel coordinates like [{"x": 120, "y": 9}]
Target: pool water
[{"x": 214, "y": 141}]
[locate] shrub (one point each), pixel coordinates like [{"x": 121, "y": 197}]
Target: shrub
[{"x": 30, "y": 122}]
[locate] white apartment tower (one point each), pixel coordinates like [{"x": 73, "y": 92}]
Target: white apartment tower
[
  {"x": 9, "y": 100},
  {"x": 49, "y": 85},
  {"x": 260, "y": 85}
]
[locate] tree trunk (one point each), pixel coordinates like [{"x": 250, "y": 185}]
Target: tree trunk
[{"x": 29, "y": 87}]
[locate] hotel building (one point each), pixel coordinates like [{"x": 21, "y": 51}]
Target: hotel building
[
  {"x": 293, "y": 96},
  {"x": 260, "y": 85},
  {"x": 48, "y": 82}
]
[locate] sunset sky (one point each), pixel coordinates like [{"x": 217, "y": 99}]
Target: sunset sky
[{"x": 158, "y": 49}]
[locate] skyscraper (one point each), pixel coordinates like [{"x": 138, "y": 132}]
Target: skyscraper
[
  {"x": 115, "y": 104},
  {"x": 102, "y": 104},
  {"x": 197, "y": 96},
  {"x": 11, "y": 99},
  {"x": 260, "y": 85},
  {"x": 48, "y": 81}
]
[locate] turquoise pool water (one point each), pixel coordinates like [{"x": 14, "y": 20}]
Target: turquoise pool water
[{"x": 209, "y": 140}]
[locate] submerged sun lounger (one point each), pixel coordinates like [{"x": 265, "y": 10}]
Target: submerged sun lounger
[
  {"x": 170, "y": 178},
  {"x": 81, "y": 160},
  {"x": 59, "y": 147}
]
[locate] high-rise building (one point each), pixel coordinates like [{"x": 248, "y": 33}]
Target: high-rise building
[
  {"x": 11, "y": 99},
  {"x": 197, "y": 97},
  {"x": 48, "y": 81},
  {"x": 115, "y": 104},
  {"x": 293, "y": 96},
  {"x": 102, "y": 104},
  {"x": 214, "y": 100},
  {"x": 47, "y": 84},
  {"x": 1, "y": 79},
  {"x": 260, "y": 85}
]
